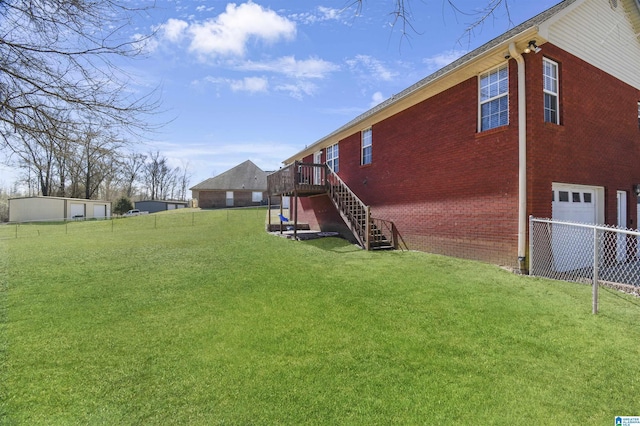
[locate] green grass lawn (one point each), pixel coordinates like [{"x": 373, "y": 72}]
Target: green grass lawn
[{"x": 213, "y": 321}]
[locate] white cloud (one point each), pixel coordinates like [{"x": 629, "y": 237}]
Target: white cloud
[
  {"x": 229, "y": 33},
  {"x": 247, "y": 84},
  {"x": 204, "y": 9},
  {"x": 443, "y": 59},
  {"x": 250, "y": 84},
  {"x": 298, "y": 89},
  {"x": 174, "y": 29},
  {"x": 288, "y": 65},
  {"x": 376, "y": 99},
  {"x": 320, "y": 14},
  {"x": 373, "y": 67}
]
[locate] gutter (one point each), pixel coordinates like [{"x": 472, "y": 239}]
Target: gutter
[{"x": 522, "y": 158}]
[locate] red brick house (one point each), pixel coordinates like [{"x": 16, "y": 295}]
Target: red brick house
[
  {"x": 543, "y": 120},
  {"x": 244, "y": 185}
]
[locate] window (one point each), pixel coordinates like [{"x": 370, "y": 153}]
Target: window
[
  {"x": 366, "y": 146},
  {"x": 256, "y": 196},
  {"x": 494, "y": 98},
  {"x": 332, "y": 158},
  {"x": 638, "y": 115},
  {"x": 550, "y": 75}
]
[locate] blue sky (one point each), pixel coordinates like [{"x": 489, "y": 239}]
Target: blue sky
[{"x": 261, "y": 80}]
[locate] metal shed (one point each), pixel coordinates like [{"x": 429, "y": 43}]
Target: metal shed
[
  {"x": 39, "y": 208},
  {"x": 153, "y": 206}
]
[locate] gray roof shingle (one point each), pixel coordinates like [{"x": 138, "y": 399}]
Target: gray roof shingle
[{"x": 244, "y": 176}]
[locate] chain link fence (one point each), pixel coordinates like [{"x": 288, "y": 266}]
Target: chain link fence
[{"x": 590, "y": 254}]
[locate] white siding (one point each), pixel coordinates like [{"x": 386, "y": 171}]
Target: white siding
[
  {"x": 55, "y": 208},
  {"x": 601, "y": 35},
  {"x": 37, "y": 208}
]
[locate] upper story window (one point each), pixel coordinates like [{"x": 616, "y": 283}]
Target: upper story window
[
  {"x": 551, "y": 104},
  {"x": 332, "y": 158},
  {"x": 367, "y": 145},
  {"x": 494, "y": 98}
]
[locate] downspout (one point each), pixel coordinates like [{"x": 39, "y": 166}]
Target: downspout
[{"x": 522, "y": 158}]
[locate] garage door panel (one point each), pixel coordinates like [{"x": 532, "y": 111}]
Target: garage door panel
[{"x": 573, "y": 203}]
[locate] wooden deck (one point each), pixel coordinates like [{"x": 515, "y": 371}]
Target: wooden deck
[{"x": 300, "y": 179}]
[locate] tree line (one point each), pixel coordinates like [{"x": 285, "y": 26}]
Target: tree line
[
  {"x": 68, "y": 110},
  {"x": 97, "y": 172}
]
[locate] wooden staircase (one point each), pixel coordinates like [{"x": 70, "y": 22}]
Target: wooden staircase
[
  {"x": 309, "y": 179},
  {"x": 357, "y": 216}
]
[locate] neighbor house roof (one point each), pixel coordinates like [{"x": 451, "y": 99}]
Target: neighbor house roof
[
  {"x": 245, "y": 176},
  {"x": 463, "y": 68}
]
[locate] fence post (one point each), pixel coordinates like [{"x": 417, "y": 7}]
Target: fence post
[
  {"x": 595, "y": 271},
  {"x": 531, "y": 271}
]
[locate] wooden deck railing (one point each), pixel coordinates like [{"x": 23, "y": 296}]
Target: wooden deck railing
[{"x": 303, "y": 178}]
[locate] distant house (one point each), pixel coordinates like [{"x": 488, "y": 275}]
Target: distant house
[
  {"x": 244, "y": 185},
  {"x": 31, "y": 209},
  {"x": 154, "y": 206},
  {"x": 542, "y": 120}
]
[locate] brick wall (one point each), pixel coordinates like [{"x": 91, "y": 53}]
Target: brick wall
[
  {"x": 597, "y": 142},
  {"x": 218, "y": 199},
  {"x": 453, "y": 191}
]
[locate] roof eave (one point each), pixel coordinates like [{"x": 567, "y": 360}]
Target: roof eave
[{"x": 416, "y": 93}]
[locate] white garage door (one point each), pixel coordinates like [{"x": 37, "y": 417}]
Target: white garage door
[
  {"x": 99, "y": 211},
  {"x": 574, "y": 203},
  {"x": 573, "y": 247},
  {"x": 77, "y": 210}
]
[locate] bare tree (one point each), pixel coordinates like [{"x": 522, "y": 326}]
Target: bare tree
[
  {"x": 402, "y": 15},
  {"x": 133, "y": 165},
  {"x": 58, "y": 69},
  {"x": 184, "y": 177},
  {"x": 95, "y": 152}
]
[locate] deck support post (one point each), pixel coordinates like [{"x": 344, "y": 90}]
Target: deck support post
[
  {"x": 295, "y": 215},
  {"x": 281, "y": 212}
]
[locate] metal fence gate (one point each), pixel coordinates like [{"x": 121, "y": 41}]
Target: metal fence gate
[{"x": 594, "y": 254}]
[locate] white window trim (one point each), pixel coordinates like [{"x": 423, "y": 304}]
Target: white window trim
[
  {"x": 549, "y": 92},
  {"x": 481, "y": 102},
  {"x": 331, "y": 159},
  {"x": 363, "y": 146}
]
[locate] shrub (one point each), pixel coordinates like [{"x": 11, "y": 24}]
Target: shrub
[{"x": 122, "y": 206}]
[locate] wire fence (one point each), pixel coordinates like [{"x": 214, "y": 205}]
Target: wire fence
[
  {"x": 165, "y": 220},
  {"x": 591, "y": 254}
]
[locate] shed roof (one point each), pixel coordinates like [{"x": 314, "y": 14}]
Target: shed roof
[{"x": 244, "y": 176}]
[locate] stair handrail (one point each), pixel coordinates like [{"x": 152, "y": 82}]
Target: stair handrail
[
  {"x": 332, "y": 173},
  {"x": 362, "y": 233},
  {"x": 395, "y": 238}
]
